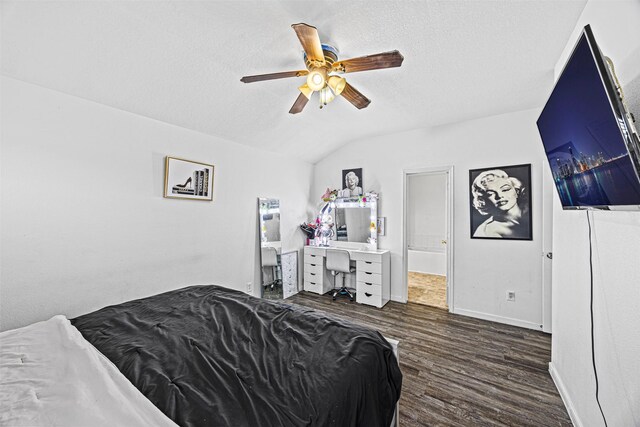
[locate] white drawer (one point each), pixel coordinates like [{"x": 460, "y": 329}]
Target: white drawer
[
  {"x": 364, "y": 276},
  {"x": 313, "y": 277},
  {"x": 314, "y": 250},
  {"x": 367, "y": 257},
  {"x": 313, "y": 286},
  {"x": 312, "y": 258},
  {"x": 369, "y": 299},
  {"x": 314, "y": 268},
  {"x": 362, "y": 287},
  {"x": 369, "y": 266}
]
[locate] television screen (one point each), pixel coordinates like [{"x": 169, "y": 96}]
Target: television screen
[{"x": 584, "y": 130}]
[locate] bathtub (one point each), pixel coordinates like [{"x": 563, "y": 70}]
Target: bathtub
[{"x": 427, "y": 261}]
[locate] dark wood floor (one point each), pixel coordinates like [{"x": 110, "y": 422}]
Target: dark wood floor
[{"x": 460, "y": 371}]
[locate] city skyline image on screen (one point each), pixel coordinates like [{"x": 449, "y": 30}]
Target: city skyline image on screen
[{"x": 584, "y": 137}]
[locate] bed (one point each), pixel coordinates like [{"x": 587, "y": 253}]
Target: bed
[{"x": 210, "y": 356}]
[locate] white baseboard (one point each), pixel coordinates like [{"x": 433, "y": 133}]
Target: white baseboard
[
  {"x": 428, "y": 272},
  {"x": 564, "y": 395},
  {"x": 397, "y": 298},
  {"x": 484, "y": 316},
  {"x": 499, "y": 319}
]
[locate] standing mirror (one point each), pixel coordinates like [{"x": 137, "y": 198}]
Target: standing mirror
[{"x": 270, "y": 248}]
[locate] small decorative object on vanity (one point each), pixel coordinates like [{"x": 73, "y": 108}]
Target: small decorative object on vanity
[
  {"x": 324, "y": 220},
  {"x": 309, "y": 230},
  {"x": 186, "y": 179}
]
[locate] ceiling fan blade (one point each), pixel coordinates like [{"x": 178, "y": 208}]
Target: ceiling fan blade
[
  {"x": 352, "y": 95},
  {"x": 298, "y": 106},
  {"x": 273, "y": 76},
  {"x": 310, "y": 41},
  {"x": 370, "y": 62}
]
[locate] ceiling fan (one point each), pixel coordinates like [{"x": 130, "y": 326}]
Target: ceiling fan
[{"x": 323, "y": 66}]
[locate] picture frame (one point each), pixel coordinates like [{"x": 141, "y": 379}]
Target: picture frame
[
  {"x": 500, "y": 203},
  {"x": 354, "y": 187},
  {"x": 381, "y": 225},
  {"x": 188, "y": 179}
]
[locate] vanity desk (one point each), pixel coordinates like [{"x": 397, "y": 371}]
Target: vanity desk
[
  {"x": 350, "y": 224},
  {"x": 372, "y": 275}
]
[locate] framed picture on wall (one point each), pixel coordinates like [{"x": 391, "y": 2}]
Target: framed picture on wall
[
  {"x": 351, "y": 183},
  {"x": 382, "y": 220},
  {"x": 500, "y": 202},
  {"x": 186, "y": 179}
]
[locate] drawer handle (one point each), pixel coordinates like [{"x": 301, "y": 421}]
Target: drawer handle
[
  {"x": 367, "y": 283},
  {"x": 312, "y": 265},
  {"x": 313, "y": 283},
  {"x": 366, "y": 272},
  {"x": 313, "y": 274},
  {"x": 312, "y": 256},
  {"x": 368, "y": 294},
  {"x": 367, "y": 262}
]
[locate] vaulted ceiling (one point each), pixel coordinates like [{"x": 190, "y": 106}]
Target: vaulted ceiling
[{"x": 180, "y": 62}]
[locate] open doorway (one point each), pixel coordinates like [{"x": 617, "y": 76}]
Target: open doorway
[{"x": 427, "y": 232}]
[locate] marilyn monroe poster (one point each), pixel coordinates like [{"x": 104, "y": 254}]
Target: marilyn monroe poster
[{"x": 500, "y": 200}]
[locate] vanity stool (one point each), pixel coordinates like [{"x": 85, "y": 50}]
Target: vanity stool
[{"x": 339, "y": 262}]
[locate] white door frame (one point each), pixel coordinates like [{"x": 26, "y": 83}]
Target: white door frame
[
  {"x": 548, "y": 196},
  {"x": 448, "y": 170}
]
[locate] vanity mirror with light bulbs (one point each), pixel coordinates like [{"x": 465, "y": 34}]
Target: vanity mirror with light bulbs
[{"x": 355, "y": 222}]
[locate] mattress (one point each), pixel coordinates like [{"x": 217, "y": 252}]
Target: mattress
[{"x": 210, "y": 356}]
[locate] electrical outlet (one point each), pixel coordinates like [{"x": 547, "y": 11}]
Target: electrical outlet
[
  {"x": 249, "y": 287},
  {"x": 511, "y": 296}
]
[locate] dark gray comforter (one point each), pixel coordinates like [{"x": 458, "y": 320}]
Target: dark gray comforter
[{"x": 210, "y": 356}]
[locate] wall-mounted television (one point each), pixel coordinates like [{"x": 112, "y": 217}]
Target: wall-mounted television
[{"x": 588, "y": 137}]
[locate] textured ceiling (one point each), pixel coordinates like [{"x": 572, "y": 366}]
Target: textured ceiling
[{"x": 181, "y": 62}]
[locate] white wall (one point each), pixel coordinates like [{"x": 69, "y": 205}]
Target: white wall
[
  {"x": 616, "y": 245},
  {"x": 483, "y": 269},
  {"x": 426, "y": 211},
  {"x": 84, "y": 223}
]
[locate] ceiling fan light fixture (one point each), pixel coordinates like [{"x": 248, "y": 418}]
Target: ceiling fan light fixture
[
  {"x": 326, "y": 96},
  {"x": 316, "y": 79},
  {"x": 306, "y": 90},
  {"x": 337, "y": 84}
]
